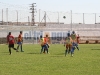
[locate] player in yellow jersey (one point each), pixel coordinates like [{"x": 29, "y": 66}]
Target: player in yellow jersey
[
  {"x": 41, "y": 43},
  {"x": 68, "y": 44},
  {"x": 74, "y": 38},
  {"x": 74, "y": 44}
]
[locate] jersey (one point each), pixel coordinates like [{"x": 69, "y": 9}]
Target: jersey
[
  {"x": 10, "y": 39},
  {"x": 42, "y": 41},
  {"x": 20, "y": 38},
  {"x": 46, "y": 40},
  {"x": 73, "y": 36},
  {"x": 68, "y": 40}
]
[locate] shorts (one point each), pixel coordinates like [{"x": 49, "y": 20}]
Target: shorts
[
  {"x": 46, "y": 46},
  {"x": 74, "y": 44},
  {"x": 11, "y": 45},
  {"x": 19, "y": 42}
]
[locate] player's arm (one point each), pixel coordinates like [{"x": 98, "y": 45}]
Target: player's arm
[
  {"x": 7, "y": 39},
  {"x": 71, "y": 40}
]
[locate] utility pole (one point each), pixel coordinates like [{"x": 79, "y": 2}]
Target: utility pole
[
  {"x": 7, "y": 15},
  {"x": 83, "y": 19},
  {"x": 95, "y": 18},
  {"x": 58, "y": 17},
  {"x": 2, "y": 16},
  {"x": 71, "y": 20},
  {"x": 45, "y": 18},
  {"x": 17, "y": 17},
  {"x": 39, "y": 15},
  {"x": 33, "y": 12},
  {"x": 28, "y": 21}
]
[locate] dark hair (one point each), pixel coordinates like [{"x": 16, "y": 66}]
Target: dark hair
[
  {"x": 9, "y": 33},
  {"x": 73, "y": 32},
  {"x": 40, "y": 36},
  {"x": 46, "y": 35},
  {"x": 20, "y": 31},
  {"x": 68, "y": 34}
]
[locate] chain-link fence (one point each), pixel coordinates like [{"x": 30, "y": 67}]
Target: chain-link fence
[{"x": 51, "y": 17}]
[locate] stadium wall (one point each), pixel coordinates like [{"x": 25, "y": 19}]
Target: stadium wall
[{"x": 89, "y": 33}]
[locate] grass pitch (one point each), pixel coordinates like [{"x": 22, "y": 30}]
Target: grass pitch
[{"x": 86, "y": 61}]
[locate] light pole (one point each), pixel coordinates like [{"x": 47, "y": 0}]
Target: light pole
[
  {"x": 83, "y": 19},
  {"x": 2, "y": 16},
  {"x": 17, "y": 17},
  {"x": 95, "y": 18},
  {"x": 7, "y": 15},
  {"x": 71, "y": 20}
]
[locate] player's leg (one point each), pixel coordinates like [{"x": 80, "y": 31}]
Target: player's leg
[
  {"x": 42, "y": 47},
  {"x": 77, "y": 46},
  {"x": 66, "y": 51},
  {"x": 21, "y": 47},
  {"x": 72, "y": 49},
  {"x": 18, "y": 45},
  {"x": 10, "y": 49},
  {"x": 47, "y": 48},
  {"x": 14, "y": 48}
]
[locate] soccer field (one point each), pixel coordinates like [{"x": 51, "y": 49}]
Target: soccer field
[{"x": 86, "y": 61}]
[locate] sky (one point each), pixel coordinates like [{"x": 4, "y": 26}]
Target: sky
[{"x": 77, "y": 6}]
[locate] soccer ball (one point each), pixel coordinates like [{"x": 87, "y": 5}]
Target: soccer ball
[{"x": 64, "y": 17}]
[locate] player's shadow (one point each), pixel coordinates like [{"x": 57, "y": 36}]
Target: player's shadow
[
  {"x": 60, "y": 54},
  {"x": 95, "y": 49},
  {"x": 33, "y": 53},
  {"x": 57, "y": 56}
]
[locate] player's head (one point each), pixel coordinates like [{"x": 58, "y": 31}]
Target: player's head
[
  {"x": 20, "y": 32},
  {"x": 46, "y": 35},
  {"x": 9, "y": 33},
  {"x": 68, "y": 34},
  {"x": 40, "y": 36},
  {"x": 73, "y": 32}
]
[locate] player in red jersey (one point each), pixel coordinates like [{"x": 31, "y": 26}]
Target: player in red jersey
[
  {"x": 46, "y": 45},
  {"x": 11, "y": 41}
]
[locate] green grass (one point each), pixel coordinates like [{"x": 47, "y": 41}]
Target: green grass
[{"x": 31, "y": 62}]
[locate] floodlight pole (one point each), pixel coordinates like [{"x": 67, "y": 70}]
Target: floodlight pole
[
  {"x": 83, "y": 19},
  {"x": 2, "y": 16},
  {"x": 95, "y": 18},
  {"x": 39, "y": 15},
  {"x": 7, "y": 15},
  {"x": 58, "y": 17},
  {"x": 17, "y": 17},
  {"x": 71, "y": 20}
]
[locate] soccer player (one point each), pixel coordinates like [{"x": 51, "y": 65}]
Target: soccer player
[
  {"x": 42, "y": 43},
  {"x": 11, "y": 41},
  {"x": 20, "y": 41},
  {"x": 68, "y": 44},
  {"x": 46, "y": 45},
  {"x": 74, "y": 44}
]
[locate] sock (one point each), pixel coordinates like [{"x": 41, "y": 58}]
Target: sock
[
  {"x": 9, "y": 50},
  {"x": 77, "y": 47},
  {"x": 17, "y": 47}
]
